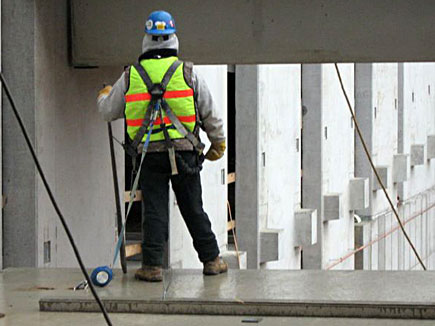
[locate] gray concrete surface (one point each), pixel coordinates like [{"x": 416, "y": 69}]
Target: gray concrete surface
[
  {"x": 261, "y": 31},
  {"x": 277, "y": 292},
  {"x": 248, "y": 163},
  {"x": 19, "y": 176},
  {"x": 328, "y": 161},
  {"x": 21, "y": 289}
]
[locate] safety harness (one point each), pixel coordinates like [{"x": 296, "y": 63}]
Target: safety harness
[
  {"x": 156, "y": 107},
  {"x": 157, "y": 92}
]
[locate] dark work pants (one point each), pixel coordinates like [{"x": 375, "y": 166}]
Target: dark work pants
[{"x": 154, "y": 183}]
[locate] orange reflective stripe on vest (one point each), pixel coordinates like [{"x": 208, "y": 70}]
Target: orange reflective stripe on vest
[
  {"x": 168, "y": 94},
  {"x": 179, "y": 96},
  {"x": 138, "y": 122}
]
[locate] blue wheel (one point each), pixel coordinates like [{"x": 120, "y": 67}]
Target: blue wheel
[{"x": 101, "y": 276}]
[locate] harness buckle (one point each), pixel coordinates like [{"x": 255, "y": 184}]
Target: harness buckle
[{"x": 157, "y": 91}]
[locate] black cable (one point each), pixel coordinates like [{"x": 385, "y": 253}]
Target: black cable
[{"x": 53, "y": 201}]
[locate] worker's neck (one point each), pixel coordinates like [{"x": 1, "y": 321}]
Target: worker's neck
[{"x": 158, "y": 54}]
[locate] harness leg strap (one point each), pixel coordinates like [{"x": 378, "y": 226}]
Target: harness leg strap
[{"x": 169, "y": 146}]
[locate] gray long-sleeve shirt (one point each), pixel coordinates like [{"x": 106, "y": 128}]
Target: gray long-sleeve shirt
[{"x": 112, "y": 106}]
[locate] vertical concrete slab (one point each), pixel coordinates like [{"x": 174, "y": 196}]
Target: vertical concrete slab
[
  {"x": 213, "y": 180},
  {"x": 73, "y": 146},
  {"x": 19, "y": 213},
  {"x": 338, "y": 160},
  {"x": 381, "y": 243},
  {"x": 328, "y": 167},
  {"x": 376, "y": 106},
  {"x": 417, "y": 82},
  {"x": 312, "y": 157},
  {"x": 248, "y": 163},
  {"x": 1, "y": 157},
  {"x": 280, "y": 177}
]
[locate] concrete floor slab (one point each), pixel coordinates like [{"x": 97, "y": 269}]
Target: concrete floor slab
[
  {"x": 21, "y": 290},
  {"x": 251, "y": 292}
]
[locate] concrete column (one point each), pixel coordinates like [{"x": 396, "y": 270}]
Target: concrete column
[
  {"x": 312, "y": 157},
  {"x": 1, "y": 160},
  {"x": 400, "y": 115},
  {"x": 363, "y": 113},
  {"x": 18, "y": 53},
  {"x": 247, "y": 163},
  {"x": 376, "y": 111}
]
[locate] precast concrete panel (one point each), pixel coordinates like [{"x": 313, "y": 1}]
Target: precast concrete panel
[
  {"x": 312, "y": 153},
  {"x": 417, "y": 118},
  {"x": 279, "y": 101},
  {"x": 18, "y": 189},
  {"x": 214, "y": 184},
  {"x": 259, "y": 31},
  {"x": 248, "y": 163},
  {"x": 338, "y": 160},
  {"x": 377, "y": 113},
  {"x": 1, "y": 160},
  {"x": 73, "y": 146},
  {"x": 328, "y": 138}
]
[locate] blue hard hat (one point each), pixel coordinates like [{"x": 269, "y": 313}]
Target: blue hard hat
[{"x": 160, "y": 23}]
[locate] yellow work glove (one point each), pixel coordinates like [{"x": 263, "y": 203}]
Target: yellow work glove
[
  {"x": 216, "y": 151},
  {"x": 105, "y": 91}
]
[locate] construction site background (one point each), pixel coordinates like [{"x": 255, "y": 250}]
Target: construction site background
[{"x": 301, "y": 176}]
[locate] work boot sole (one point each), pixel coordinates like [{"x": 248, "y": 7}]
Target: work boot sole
[
  {"x": 211, "y": 273},
  {"x": 152, "y": 279}
]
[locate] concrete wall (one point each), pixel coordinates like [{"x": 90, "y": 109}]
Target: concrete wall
[
  {"x": 415, "y": 122},
  {"x": 73, "y": 146},
  {"x": 418, "y": 121},
  {"x": 214, "y": 185},
  {"x": 328, "y": 154},
  {"x": 1, "y": 159},
  {"x": 376, "y": 109},
  {"x": 248, "y": 163},
  {"x": 280, "y": 171},
  {"x": 18, "y": 171},
  {"x": 268, "y": 163},
  {"x": 59, "y": 109}
]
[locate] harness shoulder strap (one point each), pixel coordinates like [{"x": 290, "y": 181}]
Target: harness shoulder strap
[
  {"x": 151, "y": 86},
  {"x": 182, "y": 129},
  {"x": 170, "y": 72},
  {"x": 144, "y": 75},
  {"x": 176, "y": 122},
  {"x": 166, "y": 78}
]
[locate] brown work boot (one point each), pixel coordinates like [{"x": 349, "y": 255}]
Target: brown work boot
[
  {"x": 149, "y": 273},
  {"x": 215, "y": 267}
]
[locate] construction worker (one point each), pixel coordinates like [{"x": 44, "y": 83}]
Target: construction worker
[{"x": 173, "y": 154}]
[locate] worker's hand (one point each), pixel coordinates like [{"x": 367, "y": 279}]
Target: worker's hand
[
  {"x": 216, "y": 151},
  {"x": 105, "y": 91}
]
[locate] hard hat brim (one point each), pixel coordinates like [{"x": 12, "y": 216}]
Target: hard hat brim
[{"x": 168, "y": 31}]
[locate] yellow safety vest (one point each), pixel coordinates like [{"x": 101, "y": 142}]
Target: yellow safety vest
[{"x": 179, "y": 96}]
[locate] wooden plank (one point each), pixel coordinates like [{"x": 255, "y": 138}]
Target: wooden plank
[
  {"x": 137, "y": 198},
  {"x": 231, "y": 177},
  {"x": 132, "y": 249}
]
